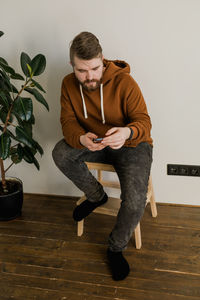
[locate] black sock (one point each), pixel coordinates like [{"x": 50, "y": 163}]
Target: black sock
[
  {"x": 86, "y": 207},
  {"x": 118, "y": 265}
]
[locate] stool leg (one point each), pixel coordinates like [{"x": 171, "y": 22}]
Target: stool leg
[
  {"x": 99, "y": 175},
  {"x": 138, "y": 240},
  {"x": 152, "y": 200},
  {"x": 80, "y": 226},
  {"x": 153, "y": 207}
]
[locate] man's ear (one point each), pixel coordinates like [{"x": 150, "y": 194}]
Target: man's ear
[{"x": 71, "y": 65}]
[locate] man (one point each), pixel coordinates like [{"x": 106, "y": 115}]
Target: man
[{"x": 101, "y": 100}]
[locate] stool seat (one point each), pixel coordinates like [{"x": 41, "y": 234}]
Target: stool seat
[{"x": 111, "y": 207}]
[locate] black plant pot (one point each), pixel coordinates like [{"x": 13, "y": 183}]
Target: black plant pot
[{"x": 11, "y": 203}]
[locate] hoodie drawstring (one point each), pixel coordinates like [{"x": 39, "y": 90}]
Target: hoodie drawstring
[
  {"x": 102, "y": 110},
  {"x": 84, "y": 105},
  {"x": 83, "y": 100}
]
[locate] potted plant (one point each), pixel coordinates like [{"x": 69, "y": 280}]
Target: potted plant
[{"x": 16, "y": 123}]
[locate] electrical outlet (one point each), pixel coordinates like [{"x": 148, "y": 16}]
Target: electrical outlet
[
  {"x": 172, "y": 169},
  {"x": 183, "y": 170},
  {"x": 195, "y": 171}
]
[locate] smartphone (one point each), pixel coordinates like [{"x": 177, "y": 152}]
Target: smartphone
[{"x": 97, "y": 140}]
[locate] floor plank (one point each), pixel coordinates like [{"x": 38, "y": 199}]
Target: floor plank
[{"x": 42, "y": 258}]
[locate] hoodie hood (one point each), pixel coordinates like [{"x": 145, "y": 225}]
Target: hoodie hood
[{"x": 112, "y": 68}]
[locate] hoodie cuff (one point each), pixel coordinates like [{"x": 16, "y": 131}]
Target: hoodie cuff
[{"x": 133, "y": 134}]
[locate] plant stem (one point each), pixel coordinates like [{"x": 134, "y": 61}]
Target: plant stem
[
  {"x": 3, "y": 182},
  {"x": 11, "y": 107},
  {"x": 9, "y": 123},
  {"x": 15, "y": 145},
  {"x": 9, "y": 167}
]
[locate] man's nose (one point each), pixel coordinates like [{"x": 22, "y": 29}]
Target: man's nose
[{"x": 89, "y": 75}]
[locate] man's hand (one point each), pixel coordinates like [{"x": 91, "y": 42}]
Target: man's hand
[
  {"x": 87, "y": 141},
  {"x": 116, "y": 137}
]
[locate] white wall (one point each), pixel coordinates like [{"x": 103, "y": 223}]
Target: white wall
[{"x": 160, "y": 40}]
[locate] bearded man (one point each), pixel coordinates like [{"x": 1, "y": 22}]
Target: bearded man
[{"x": 104, "y": 119}]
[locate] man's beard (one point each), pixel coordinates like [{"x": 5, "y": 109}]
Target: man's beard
[{"x": 91, "y": 88}]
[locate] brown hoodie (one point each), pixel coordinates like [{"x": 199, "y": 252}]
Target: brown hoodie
[{"x": 117, "y": 103}]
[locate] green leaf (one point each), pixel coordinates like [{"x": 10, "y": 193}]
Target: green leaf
[
  {"x": 14, "y": 89},
  {"x": 28, "y": 128},
  {"x": 7, "y": 68},
  {"x": 12, "y": 135},
  {"x": 25, "y": 59},
  {"x": 13, "y": 150},
  {"x": 28, "y": 156},
  {"x": 7, "y": 85},
  {"x": 38, "y": 64},
  {"x": 35, "y": 83},
  {"x": 30, "y": 70},
  {"x": 38, "y": 96},
  {"x": 23, "y": 107},
  {"x": 3, "y": 61},
  {"x": 17, "y": 76},
  {"x": 36, "y": 163},
  {"x": 3, "y": 116},
  {"x": 15, "y": 156},
  {"x": 23, "y": 137},
  {"x": 3, "y": 100},
  {"x": 27, "y": 125},
  {"x": 39, "y": 148},
  {"x": 20, "y": 151},
  {"x": 5, "y": 142},
  {"x": 32, "y": 119},
  {"x": 9, "y": 133},
  {"x": 1, "y": 33}
]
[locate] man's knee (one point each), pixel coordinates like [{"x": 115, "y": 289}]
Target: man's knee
[
  {"x": 134, "y": 199},
  {"x": 58, "y": 152},
  {"x": 135, "y": 205}
]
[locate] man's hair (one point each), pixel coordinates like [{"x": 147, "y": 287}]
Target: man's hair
[{"x": 85, "y": 46}]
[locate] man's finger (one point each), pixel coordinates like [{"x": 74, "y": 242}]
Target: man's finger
[
  {"x": 91, "y": 135},
  {"x": 111, "y": 131}
]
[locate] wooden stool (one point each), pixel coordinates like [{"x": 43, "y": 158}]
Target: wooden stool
[{"x": 111, "y": 207}]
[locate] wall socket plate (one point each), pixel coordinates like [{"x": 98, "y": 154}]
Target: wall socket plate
[{"x": 183, "y": 170}]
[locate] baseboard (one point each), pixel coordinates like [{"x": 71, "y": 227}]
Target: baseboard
[
  {"x": 75, "y": 198},
  {"x": 52, "y": 196}
]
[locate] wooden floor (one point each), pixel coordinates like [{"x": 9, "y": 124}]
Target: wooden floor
[{"x": 42, "y": 258}]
